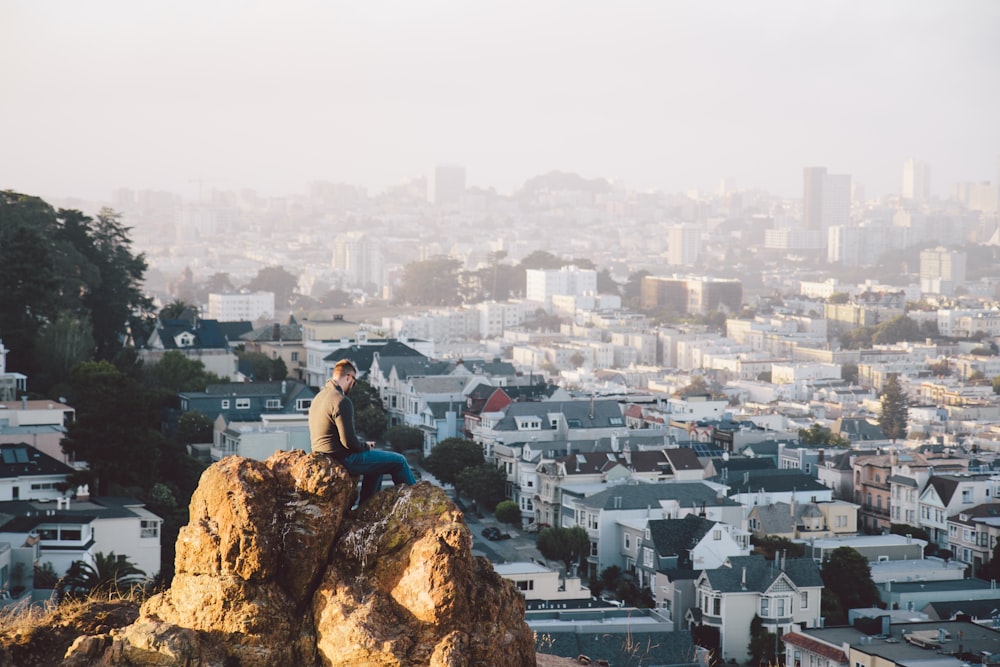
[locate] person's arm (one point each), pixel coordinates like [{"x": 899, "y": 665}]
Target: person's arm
[{"x": 345, "y": 426}]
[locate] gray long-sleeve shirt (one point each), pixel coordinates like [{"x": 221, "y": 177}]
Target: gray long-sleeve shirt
[{"x": 331, "y": 423}]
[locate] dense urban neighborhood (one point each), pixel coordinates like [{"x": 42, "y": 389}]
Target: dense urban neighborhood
[{"x": 695, "y": 431}]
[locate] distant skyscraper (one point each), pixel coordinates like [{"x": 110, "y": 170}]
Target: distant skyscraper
[
  {"x": 826, "y": 200},
  {"x": 916, "y": 181},
  {"x": 447, "y": 185},
  {"x": 683, "y": 244}
]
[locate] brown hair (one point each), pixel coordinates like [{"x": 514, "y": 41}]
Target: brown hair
[{"x": 343, "y": 367}]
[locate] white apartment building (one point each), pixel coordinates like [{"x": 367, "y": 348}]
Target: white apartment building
[
  {"x": 241, "y": 307},
  {"x": 791, "y": 373},
  {"x": 941, "y": 270},
  {"x": 495, "y": 317},
  {"x": 542, "y": 284},
  {"x": 683, "y": 244}
]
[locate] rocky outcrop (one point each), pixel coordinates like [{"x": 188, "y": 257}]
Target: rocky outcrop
[{"x": 273, "y": 570}]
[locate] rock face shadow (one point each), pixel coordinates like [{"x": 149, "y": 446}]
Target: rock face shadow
[{"x": 271, "y": 570}]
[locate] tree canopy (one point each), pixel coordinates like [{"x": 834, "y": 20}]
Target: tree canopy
[
  {"x": 483, "y": 483},
  {"x": 847, "y": 580},
  {"x": 451, "y": 456},
  {"x": 64, "y": 266},
  {"x": 569, "y": 545},
  {"x": 431, "y": 282},
  {"x": 402, "y": 438},
  {"x": 275, "y": 279}
]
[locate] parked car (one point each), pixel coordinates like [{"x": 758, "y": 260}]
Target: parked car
[{"x": 493, "y": 533}]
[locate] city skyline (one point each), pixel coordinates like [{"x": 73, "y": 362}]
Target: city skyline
[{"x": 661, "y": 96}]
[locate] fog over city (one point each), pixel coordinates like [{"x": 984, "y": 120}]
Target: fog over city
[{"x": 183, "y": 95}]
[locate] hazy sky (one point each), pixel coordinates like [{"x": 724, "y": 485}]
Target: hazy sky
[{"x": 99, "y": 94}]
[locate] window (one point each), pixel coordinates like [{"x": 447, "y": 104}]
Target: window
[
  {"x": 528, "y": 585},
  {"x": 765, "y": 607},
  {"x": 717, "y": 534},
  {"x": 804, "y": 600},
  {"x": 303, "y": 404},
  {"x": 70, "y": 534},
  {"x": 593, "y": 548},
  {"x": 242, "y": 403},
  {"x": 225, "y": 404},
  {"x": 841, "y": 521},
  {"x": 149, "y": 528},
  {"x": 780, "y": 605},
  {"x": 966, "y": 495},
  {"x": 628, "y": 542},
  {"x": 295, "y": 356},
  {"x": 616, "y": 421},
  {"x": 647, "y": 557},
  {"x": 273, "y": 404},
  {"x": 716, "y": 606}
]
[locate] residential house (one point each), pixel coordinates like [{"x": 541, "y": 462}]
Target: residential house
[
  {"x": 28, "y": 474},
  {"x": 762, "y": 487},
  {"x": 876, "y": 548},
  {"x": 837, "y": 474},
  {"x": 910, "y": 472},
  {"x": 795, "y": 520},
  {"x": 784, "y": 593},
  {"x": 947, "y": 495},
  {"x": 872, "y": 491},
  {"x": 248, "y": 401},
  {"x": 418, "y": 392},
  {"x": 261, "y": 438},
  {"x": 601, "y": 514},
  {"x": 40, "y": 423},
  {"x": 539, "y": 583},
  {"x": 972, "y": 534},
  {"x": 280, "y": 341},
  {"x": 209, "y": 341},
  {"x": 690, "y": 542},
  {"x": 68, "y": 530}
]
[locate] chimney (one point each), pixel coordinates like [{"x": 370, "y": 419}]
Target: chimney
[
  {"x": 276, "y": 332},
  {"x": 24, "y": 402},
  {"x": 743, "y": 579}
]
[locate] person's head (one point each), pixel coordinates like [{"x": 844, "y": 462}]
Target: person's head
[{"x": 345, "y": 374}]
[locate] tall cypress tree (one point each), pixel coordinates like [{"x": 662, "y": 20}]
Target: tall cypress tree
[{"x": 895, "y": 410}]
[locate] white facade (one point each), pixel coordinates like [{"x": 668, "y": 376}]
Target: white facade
[
  {"x": 248, "y": 307},
  {"x": 542, "y": 284},
  {"x": 537, "y": 582}
]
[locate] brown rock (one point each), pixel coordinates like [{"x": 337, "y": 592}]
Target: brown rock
[{"x": 270, "y": 571}]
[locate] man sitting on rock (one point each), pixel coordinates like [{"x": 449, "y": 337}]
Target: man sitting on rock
[{"x": 331, "y": 431}]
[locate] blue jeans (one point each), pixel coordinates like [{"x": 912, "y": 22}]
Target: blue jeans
[{"x": 374, "y": 463}]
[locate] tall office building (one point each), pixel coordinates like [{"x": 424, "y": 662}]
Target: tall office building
[
  {"x": 916, "y": 181},
  {"x": 826, "y": 200},
  {"x": 447, "y": 185}
]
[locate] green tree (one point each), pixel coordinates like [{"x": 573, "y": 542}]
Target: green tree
[
  {"x": 431, "y": 282},
  {"x": 108, "y": 575},
  {"x": 30, "y": 294},
  {"x": 275, "y": 279},
  {"x": 113, "y": 436},
  {"x": 763, "y": 646},
  {"x": 632, "y": 291},
  {"x": 62, "y": 344},
  {"x": 402, "y": 438},
  {"x": 508, "y": 512},
  {"x": 193, "y": 427},
  {"x": 175, "y": 310},
  {"x": 369, "y": 413},
  {"x": 839, "y": 298},
  {"x": 899, "y": 328},
  {"x": 483, "y": 483},
  {"x": 817, "y": 434},
  {"x": 895, "y": 411},
  {"x": 848, "y": 578},
  {"x": 569, "y": 545},
  {"x": 849, "y": 373},
  {"x": 263, "y": 367},
  {"x": 771, "y": 545},
  {"x": 114, "y": 298},
  {"x": 606, "y": 284},
  {"x": 451, "y": 456},
  {"x": 176, "y": 372}
]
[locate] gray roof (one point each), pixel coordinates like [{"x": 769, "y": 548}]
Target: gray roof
[
  {"x": 585, "y": 414},
  {"x": 641, "y": 496},
  {"x": 774, "y": 481},
  {"x": 674, "y": 537},
  {"x": 762, "y": 573}
]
